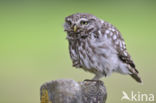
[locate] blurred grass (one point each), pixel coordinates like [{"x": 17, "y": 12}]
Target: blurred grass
[{"x": 33, "y": 48}]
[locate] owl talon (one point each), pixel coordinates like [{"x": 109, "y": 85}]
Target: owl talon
[
  {"x": 90, "y": 80},
  {"x": 98, "y": 82}
]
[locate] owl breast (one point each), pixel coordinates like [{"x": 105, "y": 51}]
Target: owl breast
[{"x": 94, "y": 55}]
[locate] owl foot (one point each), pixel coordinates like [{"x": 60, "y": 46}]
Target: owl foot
[{"x": 98, "y": 82}]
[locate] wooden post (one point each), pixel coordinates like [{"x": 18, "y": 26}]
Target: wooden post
[{"x": 70, "y": 91}]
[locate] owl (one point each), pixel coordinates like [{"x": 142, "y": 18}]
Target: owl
[{"x": 97, "y": 46}]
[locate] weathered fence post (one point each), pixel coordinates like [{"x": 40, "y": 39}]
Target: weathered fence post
[{"x": 70, "y": 91}]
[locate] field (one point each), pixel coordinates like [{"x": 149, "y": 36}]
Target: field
[{"x": 33, "y": 48}]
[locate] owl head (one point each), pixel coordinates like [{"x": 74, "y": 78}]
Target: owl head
[{"x": 81, "y": 23}]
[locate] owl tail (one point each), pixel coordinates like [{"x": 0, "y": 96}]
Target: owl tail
[{"x": 135, "y": 75}]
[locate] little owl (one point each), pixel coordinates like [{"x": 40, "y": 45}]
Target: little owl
[{"x": 97, "y": 46}]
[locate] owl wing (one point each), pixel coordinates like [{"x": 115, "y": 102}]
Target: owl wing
[
  {"x": 131, "y": 66},
  {"x": 120, "y": 46},
  {"x": 118, "y": 43},
  {"x": 124, "y": 56}
]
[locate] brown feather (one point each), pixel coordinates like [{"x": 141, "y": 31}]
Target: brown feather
[{"x": 136, "y": 77}]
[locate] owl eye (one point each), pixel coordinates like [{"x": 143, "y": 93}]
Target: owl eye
[
  {"x": 69, "y": 22},
  {"x": 84, "y": 22}
]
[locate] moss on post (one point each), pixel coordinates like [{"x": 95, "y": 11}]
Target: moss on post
[{"x": 70, "y": 91}]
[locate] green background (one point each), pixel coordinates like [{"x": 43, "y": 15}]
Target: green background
[{"x": 33, "y": 48}]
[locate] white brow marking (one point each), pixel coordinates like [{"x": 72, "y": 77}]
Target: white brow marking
[
  {"x": 69, "y": 19},
  {"x": 81, "y": 20}
]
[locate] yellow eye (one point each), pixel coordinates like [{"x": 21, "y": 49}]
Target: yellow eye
[
  {"x": 69, "y": 22},
  {"x": 84, "y": 22}
]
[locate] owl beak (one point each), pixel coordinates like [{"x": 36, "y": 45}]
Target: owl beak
[{"x": 75, "y": 28}]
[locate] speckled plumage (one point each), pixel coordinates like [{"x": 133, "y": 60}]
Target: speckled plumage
[{"x": 97, "y": 46}]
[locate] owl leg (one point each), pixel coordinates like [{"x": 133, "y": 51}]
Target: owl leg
[{"x": 97, "y": 77}]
